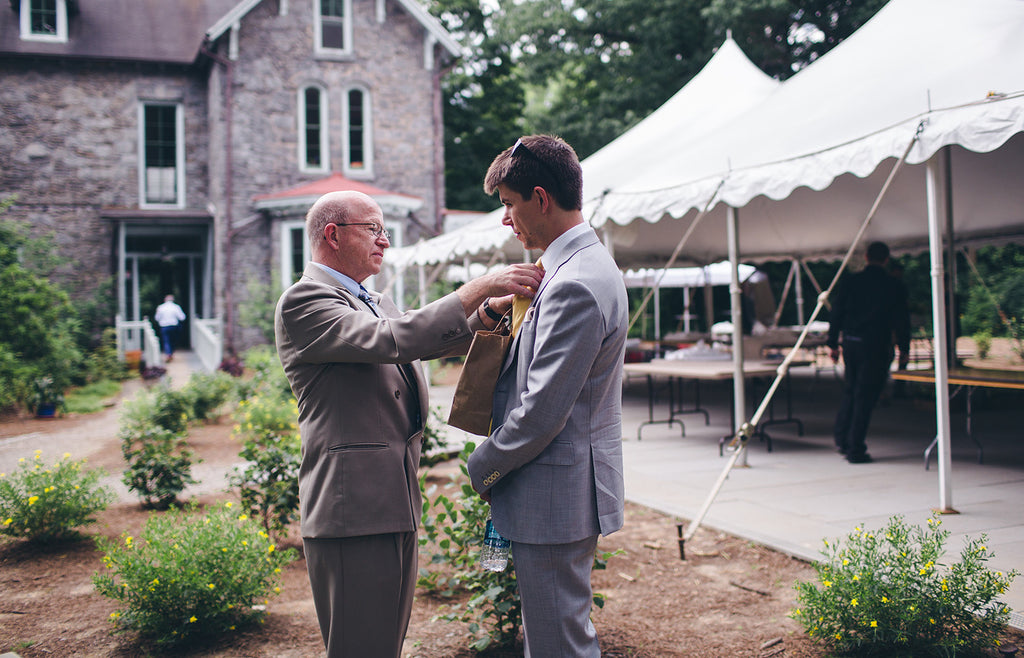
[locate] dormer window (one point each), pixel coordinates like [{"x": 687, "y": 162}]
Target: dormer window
[
  {"x": 44, "y": 20},
  {"x": 333, "y": 27}
]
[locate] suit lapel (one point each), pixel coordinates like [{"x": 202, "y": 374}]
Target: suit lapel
[{"x": 572, "y": 249}]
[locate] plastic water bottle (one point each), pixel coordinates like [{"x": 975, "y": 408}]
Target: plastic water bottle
[{"x": 494, "y": 554}]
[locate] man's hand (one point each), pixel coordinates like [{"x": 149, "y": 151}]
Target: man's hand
[{"x": 520, "y": 279}]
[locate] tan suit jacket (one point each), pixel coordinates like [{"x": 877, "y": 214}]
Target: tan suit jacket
[{"x": 360, "y": 445}]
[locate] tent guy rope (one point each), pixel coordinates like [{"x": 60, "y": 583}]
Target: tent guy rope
[{"x": 746, "y": 430}]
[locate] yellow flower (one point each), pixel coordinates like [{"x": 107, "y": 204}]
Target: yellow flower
[
  {"x": 21, "y": 460},
  {"x": 32, "y": 500},
  {"x": 8, "y": 521},
  {"x": 931, "y": 620},
  {"x": 115, "y": 614},
  {"x": 271, "y": 548},
  {"x": 128, "y": 540},
  {"x": 156, "y": 581},
  {"x": 277, "y": 589},
  {"x": 277, "y": 570},
  {"x": 243, "y": 517},
  {"x": 885, "y": 599},
  {"x": 845, "y": 562},
  {"x": 827, "y": 583},
  {"x": 192, "y": 619},
  {"x": 853, "y": 602},
  {"x": 211, "y": 585},
  {"x": 228, "y": 504},
  {"x": 838, "y": 636},
  {"x": 67, "y": 455},
  {"x": 874, "y": 624},
  {"x": 245, "y": 542}
]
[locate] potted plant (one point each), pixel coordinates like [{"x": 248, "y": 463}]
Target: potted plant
[{"x": 47, "y": 398}]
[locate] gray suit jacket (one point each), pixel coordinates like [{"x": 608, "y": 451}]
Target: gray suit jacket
[
  {"x": 360, "y": 445},
  {"x": 554, "y": 463}
]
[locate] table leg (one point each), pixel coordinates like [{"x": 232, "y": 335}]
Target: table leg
[{"x": 650, "y": 409}]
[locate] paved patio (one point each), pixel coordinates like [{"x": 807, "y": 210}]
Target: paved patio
[{"x": 803, "y": 492}]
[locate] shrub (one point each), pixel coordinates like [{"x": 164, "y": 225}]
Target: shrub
[
  {"x": 983, "y": 341},
  {"x": 268, "y": 484},
  {"x": 159, "y": 465},
  {"x": 153, "y": 427},
  {"x": 454, "y": 533},
  {"x": 189, "y": 576},
  {"x": 206, "y": 393},
  {"x": 887, "y": 592},
  {"x": 435, "y": 440},
  {"x": 48, "y": 503}
]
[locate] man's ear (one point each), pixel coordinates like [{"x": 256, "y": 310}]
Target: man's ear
[{"x": 544, "y": 198}]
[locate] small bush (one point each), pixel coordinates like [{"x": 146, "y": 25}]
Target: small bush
[
  {"x": 454, "y": 532},
  {"x": 435, "y": 441},
  {"x": 206, "y": 393},
  {"x": 983, "y": 341},
  {"x": 153, "y": 431},
  {"x": 887, "y": 592},
  {"x": 269, "y": 482},
  {"x": 48, "y": 503},
  {"x": 189, "y": 577}
]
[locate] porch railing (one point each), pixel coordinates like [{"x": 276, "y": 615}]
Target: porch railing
[
  {"x": 138, "y": 336},
  {"x": 208, "y": 342}
]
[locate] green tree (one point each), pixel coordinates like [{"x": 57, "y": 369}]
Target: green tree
[{"x": 783, "y": 36}]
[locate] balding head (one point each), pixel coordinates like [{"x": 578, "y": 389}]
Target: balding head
[{"x": 345, "y": 231}]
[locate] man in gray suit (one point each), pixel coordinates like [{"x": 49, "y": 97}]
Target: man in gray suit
[
  {"x": 352, "y": 361},
  {"x": 552, "y": 468}
]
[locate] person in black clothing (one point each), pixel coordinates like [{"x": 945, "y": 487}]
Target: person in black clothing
[{"x": 869, "y": 310}]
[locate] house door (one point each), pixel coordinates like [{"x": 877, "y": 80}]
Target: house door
[{"x": 157, "y": 261}]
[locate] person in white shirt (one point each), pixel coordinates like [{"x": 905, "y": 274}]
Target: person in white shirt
[{"x": 168, "y": 315}]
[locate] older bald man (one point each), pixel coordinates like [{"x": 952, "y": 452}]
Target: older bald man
[{"x": 352, "y": 359}]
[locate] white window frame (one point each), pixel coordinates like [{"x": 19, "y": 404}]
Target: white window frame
[
  {"x": 287, "y": 246},
  {"x": 325, "y": 156},
  {"x": 179, "y": 155},
  {"x": 318, "y": 35},
  {"x": 366, "y": 171},
  {"x": 60, "y": 36}
]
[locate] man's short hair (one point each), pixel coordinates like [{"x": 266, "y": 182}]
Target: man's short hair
[
  {"x": 539, "y": 161},
  {"x": 878, "y": 253}
]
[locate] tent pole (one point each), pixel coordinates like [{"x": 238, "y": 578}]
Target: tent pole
[
  {"x": 932, "y": 188},
  {"x": 799, "y": 292},
  {"x": 735, "y": 302},
  {"x": 951, "y": 306}
]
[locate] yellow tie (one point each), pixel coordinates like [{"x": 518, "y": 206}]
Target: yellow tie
[{"x": 519, "y": 306}]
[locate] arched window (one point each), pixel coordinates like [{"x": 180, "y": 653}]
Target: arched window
[
  {"x": 312, "y": 111},
  {"x": 357, "y": 138}
]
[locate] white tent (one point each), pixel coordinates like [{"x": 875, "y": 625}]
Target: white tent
[
  {"x": 957, "y": 67},
  {"x": 727, "y": 86},
  {"x": 941, "y": 81}
]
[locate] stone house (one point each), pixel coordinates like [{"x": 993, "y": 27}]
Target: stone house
[{"x": 173, "y": 146}]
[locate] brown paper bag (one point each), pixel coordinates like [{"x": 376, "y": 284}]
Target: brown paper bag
[{"x": 471, "y": 406}]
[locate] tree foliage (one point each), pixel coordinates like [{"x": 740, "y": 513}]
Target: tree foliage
[{"x": 588, "y": 70}]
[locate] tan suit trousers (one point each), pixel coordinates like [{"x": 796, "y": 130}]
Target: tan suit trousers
[{"x": 363, "y": 592}]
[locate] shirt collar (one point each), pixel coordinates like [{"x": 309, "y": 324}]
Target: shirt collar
[
  {"x": 350, "y": 284},
  {"x": 556, "y": 251}
]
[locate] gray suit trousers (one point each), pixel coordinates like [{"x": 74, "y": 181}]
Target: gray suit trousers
[
  {"x": 554, "y": 585},
  {"x": 363, "y": 592}
]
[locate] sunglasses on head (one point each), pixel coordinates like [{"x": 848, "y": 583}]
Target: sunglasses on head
[{"x": 521, "y": 148}]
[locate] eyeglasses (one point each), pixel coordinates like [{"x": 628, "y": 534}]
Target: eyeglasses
[
  {"x": 521, "y": 147},
  {"x": 376, "y": 229}
]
